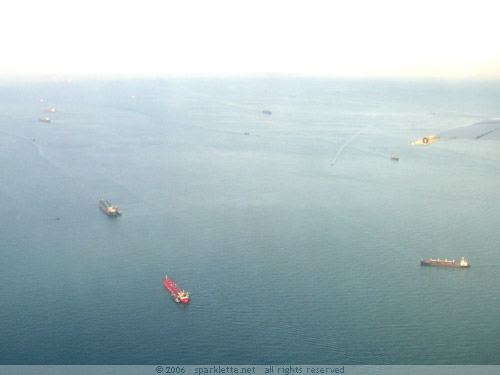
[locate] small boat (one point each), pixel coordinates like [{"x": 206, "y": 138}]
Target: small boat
[
  {"x": 50, "y": 110},
  {"x": 266, "y": 112},
  {"x": 394, "y": 157},
  {"x": 44, "y": 119}
]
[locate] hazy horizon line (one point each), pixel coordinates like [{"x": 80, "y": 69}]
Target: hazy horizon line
[{"x": 62, "y": 77}]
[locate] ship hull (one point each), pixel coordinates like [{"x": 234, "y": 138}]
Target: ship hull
[
  {"x": 443, "y": 264},
  {"x": 103, "y": 209},
  {"x": 175, "y": 290},
  {"x": 108, "y": 209}
]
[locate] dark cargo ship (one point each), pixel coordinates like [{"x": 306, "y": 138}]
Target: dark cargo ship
[
  {"x": 108, "y": 209},
  {"x": 445, "y": 263}
]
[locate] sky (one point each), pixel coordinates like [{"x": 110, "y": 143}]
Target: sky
[{"x": 354, "y": 38}]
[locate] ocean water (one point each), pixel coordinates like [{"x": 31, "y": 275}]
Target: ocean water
[{"x": 288, "y": 258}]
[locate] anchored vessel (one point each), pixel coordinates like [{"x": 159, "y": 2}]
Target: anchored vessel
[
  {"x": 178, "y": 294},
  {"x": 445, "y": 263},
  {"x": 108, "y": 209}
]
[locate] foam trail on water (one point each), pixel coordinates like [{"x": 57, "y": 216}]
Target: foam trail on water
[{"x": 346, "y": 143}]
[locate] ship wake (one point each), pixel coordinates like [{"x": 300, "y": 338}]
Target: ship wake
[{"x": 346, "y": 143}]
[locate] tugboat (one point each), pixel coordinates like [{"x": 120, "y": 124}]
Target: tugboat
[
  {"x": 178, "y": 294},
  {"x": 445, "y": 263},
  {"x": 108, "y": 209}
]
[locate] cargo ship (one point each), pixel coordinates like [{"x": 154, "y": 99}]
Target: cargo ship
[
  {"x": 178, "y": 294},
  {"x": 445, "y": 263},
  {"x": 108, "y": 209}
]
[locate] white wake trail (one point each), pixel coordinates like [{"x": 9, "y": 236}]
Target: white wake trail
[{"x": 346, "y": 143}]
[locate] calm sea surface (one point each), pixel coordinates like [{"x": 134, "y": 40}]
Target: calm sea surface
[{"x": 288, "y": 258}]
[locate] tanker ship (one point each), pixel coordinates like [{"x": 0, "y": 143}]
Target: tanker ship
[
  {"x": 108, "y": 209},
  {"x": 445, "y": 263},
  {"x": 178, "y": 294}
]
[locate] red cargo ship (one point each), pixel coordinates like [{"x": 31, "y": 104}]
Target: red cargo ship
[
  {"x": 445, "y": 263},
  {"x": 178, "y": 294}
]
